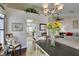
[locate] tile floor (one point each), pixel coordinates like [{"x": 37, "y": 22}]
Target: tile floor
[
  {"x": 34, "y": 53},
  {"x": 31, "y": 50}
]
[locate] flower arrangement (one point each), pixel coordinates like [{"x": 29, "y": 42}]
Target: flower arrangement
[{"x": 53, "y": 28}]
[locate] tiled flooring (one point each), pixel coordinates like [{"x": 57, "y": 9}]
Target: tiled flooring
[
  {"x": 31, "y": 51},
  {"x": 35, "y": 53}
]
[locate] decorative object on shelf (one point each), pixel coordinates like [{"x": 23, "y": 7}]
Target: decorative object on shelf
[
  {"x": 32, "y": 10},
  {"x": 57, "y": 8},
  {"x": 53, "y": 28},
  {"x": 17, "y": 26},
  {"x": 75, "y": 24}
]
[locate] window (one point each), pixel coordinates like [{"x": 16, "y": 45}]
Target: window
[
  {"x": 29, "y": 25},
  {"x": 75, "y": 24},
  {"x": 1, "y": 30},
  {"x": 2, "y": 17}
]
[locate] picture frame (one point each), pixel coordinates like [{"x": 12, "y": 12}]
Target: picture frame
[
  {"x": 17, "y": 26},
  {"x": 42, "y": 27},
  {"x": 75, "y": 24}
]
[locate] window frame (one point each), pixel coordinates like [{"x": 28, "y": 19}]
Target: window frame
[{"x": 3, "y": 29}]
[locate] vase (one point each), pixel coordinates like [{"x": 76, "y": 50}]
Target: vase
[{"x": 52, "y": 37}]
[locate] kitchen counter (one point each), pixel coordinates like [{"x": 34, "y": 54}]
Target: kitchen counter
[
  {"x": 64, "y": 47},
  {"x": 71, "y": 43},
  {"x": 46, "y": 47}
]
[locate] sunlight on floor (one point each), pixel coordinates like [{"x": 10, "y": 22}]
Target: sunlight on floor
[
  {"x": 32, "y": 50},
  {"x": 34, "y": 53}
]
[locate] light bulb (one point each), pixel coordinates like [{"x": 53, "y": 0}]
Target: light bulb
[
  {"x": 60, "y": 7},
  {"x": 45, "y": 10},
  {"x": 57, "y": 4},
  {"x": 45, "y": 5}
]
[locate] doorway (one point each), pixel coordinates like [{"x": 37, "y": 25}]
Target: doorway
[{"x": 30, "y": 28}]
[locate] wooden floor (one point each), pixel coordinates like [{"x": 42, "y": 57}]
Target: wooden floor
[{"x": 23, "y": 52}]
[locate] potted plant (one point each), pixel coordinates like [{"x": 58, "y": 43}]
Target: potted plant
[{"x": 31, "y": 10}]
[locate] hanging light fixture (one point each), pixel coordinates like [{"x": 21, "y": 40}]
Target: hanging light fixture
[
  {"x": 56, "y": 4},
  {"x": 45, "y": 8},
  {"x": 45, "y": 5},
  {"x": 57, "y": 7}
]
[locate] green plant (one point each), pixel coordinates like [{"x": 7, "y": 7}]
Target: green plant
[{"x": 31, "y": 10}]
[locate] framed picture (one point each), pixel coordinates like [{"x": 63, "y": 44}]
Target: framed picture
[
  {"x": 42, "y": 27},
  {"x": 17, "y": 26},
  {"x": 75, "y": 24}
]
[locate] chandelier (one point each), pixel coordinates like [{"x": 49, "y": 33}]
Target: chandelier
[{"x": 56, "y": 8}]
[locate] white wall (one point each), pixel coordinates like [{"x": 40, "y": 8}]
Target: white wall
[
  {"x": 43, "y": 19},
  {"x": 37, "y": 19},
  {"x": 68, "y": 23},
  {"x": 17, "y": 16}
]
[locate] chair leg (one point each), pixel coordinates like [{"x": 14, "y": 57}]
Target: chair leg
[
  {"x": 20, "y": 49},
  {"x": 13, "y": 52}
]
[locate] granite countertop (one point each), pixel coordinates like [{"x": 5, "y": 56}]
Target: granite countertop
[
  {"x": 67, "y": 42},
  {"x": 56, "y": 51},
  {"x": 46, "y": 47}
]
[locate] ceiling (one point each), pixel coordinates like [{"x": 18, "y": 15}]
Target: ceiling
[{"x": 69, "y": 8}]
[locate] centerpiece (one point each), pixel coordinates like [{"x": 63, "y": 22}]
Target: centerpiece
[{"x": 53, "y": 29}]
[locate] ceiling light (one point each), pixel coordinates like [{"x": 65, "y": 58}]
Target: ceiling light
[
  {"x": 60, "y": 7},
  {"x": 57, "y": 7},
  {"x": 45, "y": 5},
  {"x": 57, "y": 4}
]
